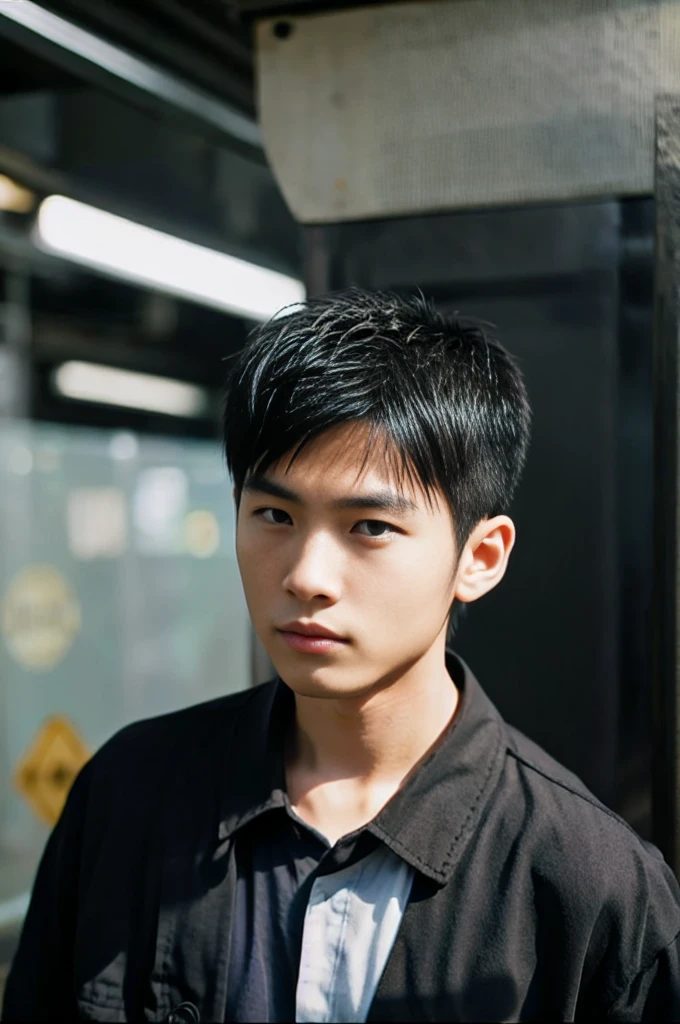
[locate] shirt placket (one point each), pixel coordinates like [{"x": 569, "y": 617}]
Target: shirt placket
[{"x": 324, "y": 932}]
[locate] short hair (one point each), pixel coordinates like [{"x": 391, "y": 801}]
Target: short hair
[{"x": 443, "y": 397}]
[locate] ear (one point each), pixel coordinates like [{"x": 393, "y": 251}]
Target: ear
[{"x": 485, "y": 558}]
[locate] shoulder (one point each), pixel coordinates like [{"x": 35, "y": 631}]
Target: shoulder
[
  {"x": 560, "y": 790},
  {"x": 596, "y": 865},
  {"x": 568, "y": 810},
  {"x": 187, "y": 724},
  {"x": 142, "y": 753}
]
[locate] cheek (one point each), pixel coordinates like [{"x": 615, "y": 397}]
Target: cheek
[
  {"x": 420, "y": 580},
  {"x": 250, "y": 557},
  {"x": 250, "y": 541},
  {"x": 259, "y": 562}
]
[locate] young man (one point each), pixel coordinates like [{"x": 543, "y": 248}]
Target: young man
[{"x": 363, "y": 838}]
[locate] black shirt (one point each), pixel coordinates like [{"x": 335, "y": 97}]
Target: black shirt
[{"x": 531, "y": 900}]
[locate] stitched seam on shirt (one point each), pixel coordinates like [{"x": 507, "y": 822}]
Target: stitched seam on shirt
[
  {"x": 441, "y": 874},
  {"x": 475, "y": 802}
]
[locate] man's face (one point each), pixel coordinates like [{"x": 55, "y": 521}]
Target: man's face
[{"x": 380, "y": 578}]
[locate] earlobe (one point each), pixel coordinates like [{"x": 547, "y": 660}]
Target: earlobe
[{"x": 485, "y": 558}]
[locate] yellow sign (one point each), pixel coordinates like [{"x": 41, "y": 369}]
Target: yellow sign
[
  {"x": 202, "y": 533},
  {"x": 39, "y": 617},
  {"x": 46, "y": 772}
]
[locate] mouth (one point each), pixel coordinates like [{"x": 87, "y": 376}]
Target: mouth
[
  {"x": 314, "y": 629},
  {"x": 311, "y": 639}
]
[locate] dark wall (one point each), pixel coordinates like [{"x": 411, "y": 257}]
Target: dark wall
[
  {"x": 545, "y": 643},
  {"x": 635, "y": 512},
  {"x": 560, "y": 646}
]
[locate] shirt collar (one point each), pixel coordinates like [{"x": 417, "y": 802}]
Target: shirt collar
[{"x": 428, "y": 822}]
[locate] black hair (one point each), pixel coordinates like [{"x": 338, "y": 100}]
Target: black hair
[{"x": 442, "y": 396}]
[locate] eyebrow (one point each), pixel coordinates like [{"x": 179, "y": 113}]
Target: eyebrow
[{"x": 383, "y": 501}]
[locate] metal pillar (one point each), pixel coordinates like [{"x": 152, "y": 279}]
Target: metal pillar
[{"x": 666, "y": 593}]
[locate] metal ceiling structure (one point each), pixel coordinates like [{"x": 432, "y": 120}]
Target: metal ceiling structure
[
  {"x": 147, "y": 113},
  {"x": 214, "y": 108},
  {"x": 206, "y": 42}
]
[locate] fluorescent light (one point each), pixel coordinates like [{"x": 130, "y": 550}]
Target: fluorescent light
[
  {"x": 114, "y": 245},
  {"x": 14, "y": 197},
  {"x": 109, "y": 386}
]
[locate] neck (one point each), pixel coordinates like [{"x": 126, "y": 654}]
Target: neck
[{"x": 374, "y": 739}]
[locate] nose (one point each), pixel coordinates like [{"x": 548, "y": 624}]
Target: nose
[{"x": 315, "y": 570}]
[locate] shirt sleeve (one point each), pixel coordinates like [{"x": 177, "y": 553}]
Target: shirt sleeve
[
  {"x": 654, "y": 994},
  {"x": 40, "y": 984}
]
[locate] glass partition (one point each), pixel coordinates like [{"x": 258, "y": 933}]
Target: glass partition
[{"x": 120, "y": 599}]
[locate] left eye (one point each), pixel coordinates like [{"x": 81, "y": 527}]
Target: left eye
[
  {"x": 376, "y": 528},
  {"x": 263, "y": 512}
]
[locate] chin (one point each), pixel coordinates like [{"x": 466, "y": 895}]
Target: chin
[
  {"x": 308, "y": 688},
  {"x": 322, "y": 681},
  {"x": 313, "y": 682}
]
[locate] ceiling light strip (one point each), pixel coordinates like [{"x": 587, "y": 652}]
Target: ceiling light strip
[
  {"x": 112, "y": 244},
  {"x": 89, "y": 382}
]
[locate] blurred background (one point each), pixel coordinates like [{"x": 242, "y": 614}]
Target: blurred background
[{"x": 171, "y": 173}]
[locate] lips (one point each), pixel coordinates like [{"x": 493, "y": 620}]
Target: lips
[
  {"x": 314, "y": 643},
  {"x": 310, "y": 629}
]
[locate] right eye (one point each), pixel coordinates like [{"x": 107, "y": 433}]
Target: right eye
[{"x": 264, "y": 513}]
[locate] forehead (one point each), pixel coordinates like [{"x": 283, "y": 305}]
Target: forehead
[
  {"x": 340, "y": 453},
  {"x": 344, "y": 460}
]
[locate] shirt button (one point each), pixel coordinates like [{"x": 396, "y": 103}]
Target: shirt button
[{"x": 184, "y": 1013}]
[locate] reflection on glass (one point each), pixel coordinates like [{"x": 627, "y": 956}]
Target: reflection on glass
[{"x": 119, "y": 599}]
